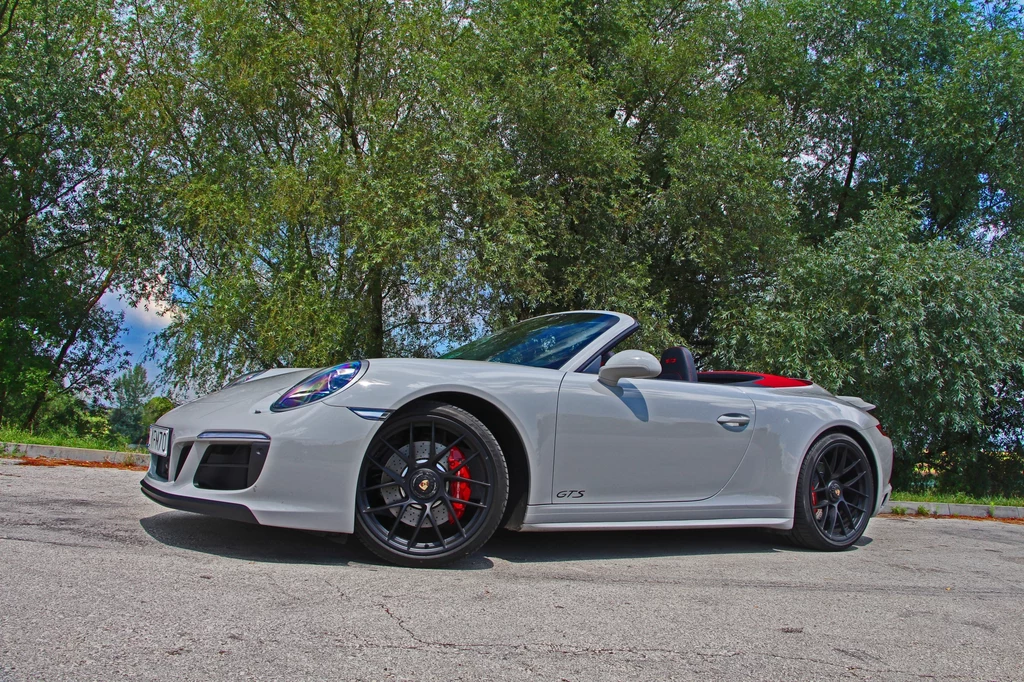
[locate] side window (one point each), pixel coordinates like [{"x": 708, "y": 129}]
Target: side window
[{"x": 597, "y": 363}]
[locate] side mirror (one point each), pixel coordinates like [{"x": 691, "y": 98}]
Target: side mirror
[{"x": 629, "y": 364}]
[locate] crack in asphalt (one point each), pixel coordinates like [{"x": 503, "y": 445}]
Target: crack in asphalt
[
  {"x": 586, "y": 651},
  {"x": 906, "y": 590},
  {"x": 532, "y": 646},
  {"x": 50, "y": 542}
]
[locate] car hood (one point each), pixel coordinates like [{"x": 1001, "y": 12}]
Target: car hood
[
  {"x": 386, "y": 381},
  {"x": 255, "y": 391}
]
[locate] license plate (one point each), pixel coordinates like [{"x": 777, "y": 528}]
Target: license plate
[{"x": 159, "y": 439}]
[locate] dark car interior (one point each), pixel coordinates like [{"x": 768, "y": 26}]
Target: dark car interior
[{"x": 677, "y": 364}]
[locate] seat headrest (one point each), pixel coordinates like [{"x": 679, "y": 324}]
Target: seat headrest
[{"x": 677, "y": 363}]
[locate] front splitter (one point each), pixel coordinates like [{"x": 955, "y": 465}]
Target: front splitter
[{"x": 223, "y": 510}]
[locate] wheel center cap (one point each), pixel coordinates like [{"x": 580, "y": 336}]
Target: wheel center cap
[
  {"x": 424, "y": 484},
  {"x": 835, "y": 491}
]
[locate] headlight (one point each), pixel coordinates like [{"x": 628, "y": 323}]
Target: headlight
[
  {"x": 244, "y": 378},
  {"x": 318, "y": 386}
]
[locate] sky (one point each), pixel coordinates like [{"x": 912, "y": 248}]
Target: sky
[{"x": 140, "y": 324}]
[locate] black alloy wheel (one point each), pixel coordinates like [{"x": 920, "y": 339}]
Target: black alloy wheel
[
  {"x": 432, "y": 487},
  {"x": 835, "y": 494}
]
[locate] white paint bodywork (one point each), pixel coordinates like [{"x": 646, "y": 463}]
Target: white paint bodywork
[{"x": 646, "y": 453}]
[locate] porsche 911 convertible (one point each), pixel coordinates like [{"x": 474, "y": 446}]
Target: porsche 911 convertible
[{"x": 542, "y": 426}]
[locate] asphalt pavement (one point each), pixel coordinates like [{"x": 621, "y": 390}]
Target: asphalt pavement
[{"x": 99, "y": 583}]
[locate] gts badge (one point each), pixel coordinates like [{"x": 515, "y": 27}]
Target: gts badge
[{"x": 569, "y": 494}]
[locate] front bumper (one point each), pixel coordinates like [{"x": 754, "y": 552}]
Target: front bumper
[{"x": 294, "y": 469}]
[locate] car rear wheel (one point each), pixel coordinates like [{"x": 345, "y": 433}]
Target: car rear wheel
[
  {"x": 432, "y": 487},
  {"x": 834, "y": 494}
]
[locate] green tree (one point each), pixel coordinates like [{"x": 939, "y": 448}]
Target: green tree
[
  {"x": 155, "y": 408},
  {"x": 67, "y": 232},
  {"x": 69, "y": 415},
  {"x": 931, "y": 332},
  {"x": 922, "y": 98},
  {"x": 319, "y": 180},
  {"x": 660, "y": 179},
  {"x": 655, "y": 179},
  {"x": 369, "y": 178},
  {"x": 132, "y": 390}
]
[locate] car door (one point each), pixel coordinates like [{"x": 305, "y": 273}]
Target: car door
[{"x": 647, "y": 440}]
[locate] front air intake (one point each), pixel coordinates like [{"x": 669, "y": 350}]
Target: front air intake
[
  {"x": 182, "y": 456},
  {"x": 231, "y": 466}
]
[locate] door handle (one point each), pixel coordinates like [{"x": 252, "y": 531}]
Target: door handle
[{"x": 734, "y": 421}]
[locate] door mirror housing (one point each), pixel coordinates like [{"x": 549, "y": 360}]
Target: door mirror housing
[{"x": 629, "y": 364}]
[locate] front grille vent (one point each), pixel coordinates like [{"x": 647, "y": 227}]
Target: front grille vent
[
  {"x": 231, "y": 466},
  {"x": 182, "y": 456},
  {"x": 161, "y": 465}
]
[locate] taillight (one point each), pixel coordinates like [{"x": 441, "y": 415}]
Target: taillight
[{"x": 881, "y": 430}]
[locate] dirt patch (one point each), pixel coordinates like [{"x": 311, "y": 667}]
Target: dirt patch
[
  {"x": 908, "y": 515},
  {"x": 56, "y": 462}
]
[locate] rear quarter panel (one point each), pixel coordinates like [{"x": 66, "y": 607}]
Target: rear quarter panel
[{"x": 786, "y": 426}]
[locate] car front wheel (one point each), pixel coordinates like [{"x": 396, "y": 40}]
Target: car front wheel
[{"x": 432, "y": 487}]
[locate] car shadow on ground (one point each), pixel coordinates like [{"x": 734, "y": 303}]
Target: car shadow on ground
[
  {"x": 601, "y": 545},
  {"x": 236, "y": 540}
]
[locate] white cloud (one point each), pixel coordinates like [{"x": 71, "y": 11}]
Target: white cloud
[{"x": 147, "y": 315}]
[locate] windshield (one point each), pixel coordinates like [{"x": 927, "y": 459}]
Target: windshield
[{"x": 548, "y": 341}]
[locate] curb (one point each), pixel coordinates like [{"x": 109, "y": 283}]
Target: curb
[
  {"x": 76, "y": 454},
  {"x": 949, "y": 509}
]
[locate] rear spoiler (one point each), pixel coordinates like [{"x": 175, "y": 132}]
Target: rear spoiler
[{"x": 856, "y": 402}]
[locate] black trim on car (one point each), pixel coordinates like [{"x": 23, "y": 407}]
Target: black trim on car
[
  {"x": 224, "y": 510},
  {"x": 619, "y": 338}
]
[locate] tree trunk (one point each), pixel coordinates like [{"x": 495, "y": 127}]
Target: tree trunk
[
  {"x": 72, "y": 337},
  {"x": 844, "y": 195},
  {"x": 375, "y": 344}
]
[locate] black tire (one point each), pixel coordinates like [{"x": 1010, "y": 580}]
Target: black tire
[
  {"x": 835, "y": 494},
  {"x": 442, "y": 502}
]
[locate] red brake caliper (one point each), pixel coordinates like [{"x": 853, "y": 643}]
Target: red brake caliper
[
  {"x": 459, "y": 490},
  {"x": 814, "y": 503}
]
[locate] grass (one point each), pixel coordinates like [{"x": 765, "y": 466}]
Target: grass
[
  {"x": 956, "y": 498},
  {"x": 13, "y": 435}
]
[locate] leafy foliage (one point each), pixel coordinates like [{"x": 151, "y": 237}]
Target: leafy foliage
[
  {"x": 68, "y": 416},
  {"x": 132, "y": 391},
  {"x": 155, "y": 408},
  {"x": 66, "y": 438},
  {"x": 931, "y": 332},
  {"x": 921, "y": 98},
  {"x": 329, "y": 199},
  {"x": 811, "y": 186},
  {"x": 67, "y": 233}
]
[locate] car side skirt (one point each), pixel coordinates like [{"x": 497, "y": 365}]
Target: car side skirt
[
  {"x": 717, "y": 512},
  {"x": 782, "y": 524}
]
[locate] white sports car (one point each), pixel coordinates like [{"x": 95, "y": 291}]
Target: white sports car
[{"x": 538, "y": 427}]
